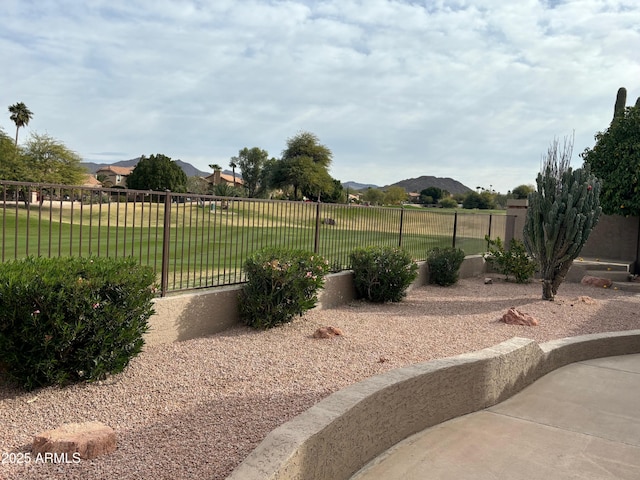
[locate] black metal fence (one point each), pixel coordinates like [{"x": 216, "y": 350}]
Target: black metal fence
[{"x": 198, "y": 241}]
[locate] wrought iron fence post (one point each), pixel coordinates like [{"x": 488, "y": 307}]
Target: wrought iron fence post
[
  {"x": 455, "y": 228},
  {"x": 401, "y": 224},
  {"x": 164, "y": 275},
  {"x": 489, "y": 234},
  {"x": 316, "y": 240}
]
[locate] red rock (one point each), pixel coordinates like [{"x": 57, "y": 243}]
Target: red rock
[
  {"x": 516, "y": 317},
  {"x": 596, "y": 281},
  {"x": 327, "y": 332},
  {"x": 88, "y": 439}
]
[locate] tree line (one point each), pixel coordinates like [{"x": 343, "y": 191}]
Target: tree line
[{"x": 302, "y": 171}]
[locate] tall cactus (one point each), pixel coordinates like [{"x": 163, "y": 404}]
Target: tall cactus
[
  {"x": 621, "y": 102},
  {"x": 562, "y": 212}
]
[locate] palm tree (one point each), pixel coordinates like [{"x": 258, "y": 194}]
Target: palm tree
[
  {"x": 20, "y": 115},
  {"x": 233, "y": 166}
]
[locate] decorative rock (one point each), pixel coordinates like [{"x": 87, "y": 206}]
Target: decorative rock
[
  {"x": 88, "y": 439},
  {"x": 596, "y": 281},
  {"x": 327, "y": 332},
  {"x": 516, "y": 317},
  {"x": 488, "y": 281}
]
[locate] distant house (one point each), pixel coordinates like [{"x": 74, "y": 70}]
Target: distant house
[
  {"x": 218, "y": 177},
  {"x": 114, "y": 176},
  {"x": 414, "y": 197},
  {"x": 354, "y": 198}
]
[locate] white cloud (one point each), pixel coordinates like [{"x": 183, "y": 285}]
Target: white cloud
[{"x": 396, "y": 89}]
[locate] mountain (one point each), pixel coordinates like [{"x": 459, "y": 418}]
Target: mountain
[
  {"x": 192, "y": 171},
  {"x": 418, "y": 184},
  {"x": 358, "y": 186},
  {"x": 187, "y": 168}
]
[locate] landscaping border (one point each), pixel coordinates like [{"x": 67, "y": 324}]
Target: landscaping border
[{"x": 343, "y": 432}]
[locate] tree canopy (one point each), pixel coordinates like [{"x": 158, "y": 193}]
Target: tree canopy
[
  {"x": 482, "y": 201},
  {"x": 251, "y": 161},
  {"x": 303, "y": 174},
  {"x": 42, "y": 159},
  {"x": 48, "y": 160},
  {"x": 395, "y": 195},
  {"x": 522, "y": 191},
  {"x": 20, "y": 115},
  {"x": 615, "y": 160},
  {"x": 198, "y": 185},
  {"x": 431, "y": 195},
  {"x": 374, "y": 196},
  {"x": 306, "y": 144},
  {"x": 304, "y": 166},
  {"x": 157, "y": 172}
]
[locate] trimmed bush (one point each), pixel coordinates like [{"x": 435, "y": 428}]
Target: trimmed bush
[
  {"x": 280, "y": 284},
  {"x": 65, "y": 320},
  {"x": 444, "y": 265},
  {"x": 513, "y": 261},
  {"x": 382, "y": 274}
]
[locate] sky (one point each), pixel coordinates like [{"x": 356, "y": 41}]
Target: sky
[{"x": 474, "y": 90}]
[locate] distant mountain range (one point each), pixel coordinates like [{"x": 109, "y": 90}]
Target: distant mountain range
[
  {"x": 187, "y": 168},
  {"x": 417, "y": 185},
  {"x": 358, "y": 186},
  {"x": 410, "y": 185}
]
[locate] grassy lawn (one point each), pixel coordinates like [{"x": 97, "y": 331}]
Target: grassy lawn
[{"x": 208, "y": 243}]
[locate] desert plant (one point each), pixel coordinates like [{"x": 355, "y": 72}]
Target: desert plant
[
  {"x": 382, "y": 274},
  {"x": 561, "y": 214},
  {"x": 65, "y": 320},
  {"x": 280, "y": 284},
  {"x": 444, "y": 265},
  {"x": 514, "y": 261}
]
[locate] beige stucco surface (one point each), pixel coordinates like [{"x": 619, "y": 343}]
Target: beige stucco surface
[{"x": 343, "y": 432}]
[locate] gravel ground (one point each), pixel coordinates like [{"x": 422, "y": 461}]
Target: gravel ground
[{"x": 195, "y": 409}]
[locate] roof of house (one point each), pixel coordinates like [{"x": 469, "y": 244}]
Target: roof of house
[
  {"x": 226, "y": 177},
  {"x": 116, "y": 170},
  {"x": 90, "y": 181}
]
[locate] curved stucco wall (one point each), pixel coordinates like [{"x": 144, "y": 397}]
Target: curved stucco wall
[{"x": 340, "y": 434}]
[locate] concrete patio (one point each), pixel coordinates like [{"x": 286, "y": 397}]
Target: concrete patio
[{"x": 580, "y": 421}]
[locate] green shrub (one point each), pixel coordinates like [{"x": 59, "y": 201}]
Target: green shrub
[
  {"x": 382, "y": 274},
  {"x": 513, "y": 261},
  {"x": 444, "y": 265},
  {"x": 280, "y": 284},
  {"x": 65, "y": 320},
  {"x": 448, "y": 203}
]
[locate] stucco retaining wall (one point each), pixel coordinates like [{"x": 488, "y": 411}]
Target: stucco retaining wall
[
  {"x": 340, "y": 434},
  {"x": 198, "y": 314}
]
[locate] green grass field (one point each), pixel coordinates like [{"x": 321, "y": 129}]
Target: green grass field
[{"x": 207, "y": 245}]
